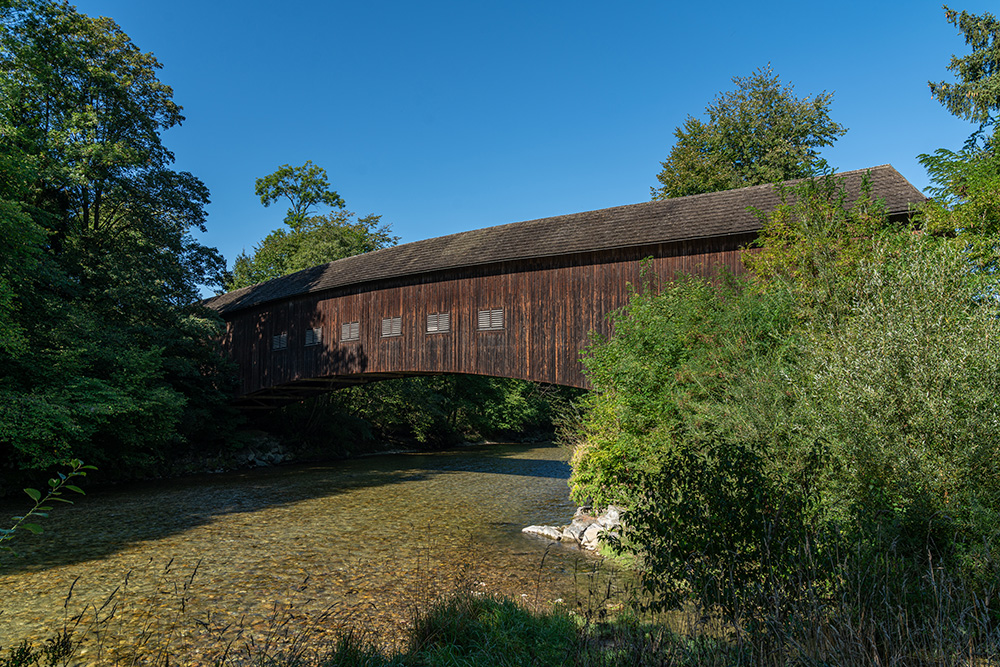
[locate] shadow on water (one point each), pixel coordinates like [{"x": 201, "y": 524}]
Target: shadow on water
[{"x": 116, "y": 518}]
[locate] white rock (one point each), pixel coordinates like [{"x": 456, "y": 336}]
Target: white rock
[
  {"x": 611, "y": 517},
  {"x": 543, "y": 531},
  {"x": 573, "y": 532},
  {"x": 589, "y": 539}
]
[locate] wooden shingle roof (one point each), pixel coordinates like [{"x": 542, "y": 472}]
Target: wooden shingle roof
[{"x": 701, "y": 216}]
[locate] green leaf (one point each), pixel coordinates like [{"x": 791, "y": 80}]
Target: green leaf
[
  {"x": 34, "y": 494},
  {"x": 33, "y": 527},
  {"x": 77, "y": 489}
]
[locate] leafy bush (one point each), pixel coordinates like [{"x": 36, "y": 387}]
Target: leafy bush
[
  {"x": 904, "y": 388},
  {"x": 674, "y": 356},
  {"x": 779, "y": 443}
]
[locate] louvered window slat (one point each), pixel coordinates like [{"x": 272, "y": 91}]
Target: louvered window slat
[
  {"x": 279, "y": 341},
  {"x": 350, "y": 331},
  {"x": 438, "y": 322},
  {"x": 392, "y": 326},
  {"x": 314, "y": 336},
  {"x": 490, "y": 320}
]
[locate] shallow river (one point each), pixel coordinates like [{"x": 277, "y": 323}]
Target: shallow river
[{"x": 192, "y": 566}]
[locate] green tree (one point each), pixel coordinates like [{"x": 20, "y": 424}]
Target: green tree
[
  {"x": 304, "y": 187},
  {"x": 21, "y": 239},
  {"x": 813, "y": 242},
  {"x": 759, "y": 133},
  {"x": 966, "y": 202},
  {"x": 965, "y": 184},
  {"x": 316, "y": 240},
  {"x": 975, "y": 96},
  {"x": 109, "y": 348}
]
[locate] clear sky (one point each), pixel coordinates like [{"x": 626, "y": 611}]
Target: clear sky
[{"x": 445, "y": 116}]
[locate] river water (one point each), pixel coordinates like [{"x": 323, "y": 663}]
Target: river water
[{"x": 189, "y": 567}]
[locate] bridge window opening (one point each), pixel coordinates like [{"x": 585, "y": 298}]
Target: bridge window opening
[
  {"x": 279, "y": 342},
  {"x": 350, "y": 331},
  {"x": 314, "y": 336},
  {"x": 491, "y": 320},
  {"x": 392, "y": 326},
  {"x": 438, "y": 322}
]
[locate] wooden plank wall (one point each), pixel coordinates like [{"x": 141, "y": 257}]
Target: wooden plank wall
[{"x": 550, "y": 307}]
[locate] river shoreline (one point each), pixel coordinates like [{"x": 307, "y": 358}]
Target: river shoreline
[{"x": 257, "y": 449}]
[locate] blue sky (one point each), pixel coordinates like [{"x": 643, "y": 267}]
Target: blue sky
[{"x": 449, "y": 116}]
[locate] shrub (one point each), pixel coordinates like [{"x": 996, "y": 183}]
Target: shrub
[{"x": 788, "y": 442}]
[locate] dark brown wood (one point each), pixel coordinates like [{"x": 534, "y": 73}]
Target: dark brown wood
[
  {"x": 551, "y": 306},
  {"x": 556, "y": 279}
]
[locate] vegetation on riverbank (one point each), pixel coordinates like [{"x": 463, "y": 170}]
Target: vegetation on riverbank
[
  {"x": 810, "y": 453},
  {"x": 105, "y": 353}
]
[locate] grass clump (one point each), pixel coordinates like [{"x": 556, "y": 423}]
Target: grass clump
[{"x": 470, "y": 629}]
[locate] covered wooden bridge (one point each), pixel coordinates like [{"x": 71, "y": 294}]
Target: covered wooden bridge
[{"x": 517, "y": 300}]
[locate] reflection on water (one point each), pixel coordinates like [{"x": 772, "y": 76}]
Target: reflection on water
[{"x": 362, "y": 540}]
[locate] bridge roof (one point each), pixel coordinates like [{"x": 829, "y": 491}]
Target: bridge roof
[{"x": 703, "y": 216}]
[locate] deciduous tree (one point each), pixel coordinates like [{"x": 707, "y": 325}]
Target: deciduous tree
[
  {"x": 304, "y": 187},
  {"x": 759, "y": 133},
  {"x": 966, "y": 183},
  {"x": 106, "y": 348},
  {"x": 316, "y": 240}
]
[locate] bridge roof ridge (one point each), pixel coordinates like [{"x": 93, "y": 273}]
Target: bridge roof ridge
[{"x": 701, "y": 216}]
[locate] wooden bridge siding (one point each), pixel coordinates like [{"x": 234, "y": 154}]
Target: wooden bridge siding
[{"x": 550, "y": 306}]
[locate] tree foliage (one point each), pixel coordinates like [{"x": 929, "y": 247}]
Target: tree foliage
[
  {"x": 316, "y": 240},
  {"x": 965, "y": 184},
  {"x": 304, "y": 187},
  {"x": 814, "y": 241},
  {"x": 105, "y": 355},
  {"x": 759, "y": 133},
  {"x": 425, "y": 412},
  {"x": 975, "y": 95},
  {"x": 309, "y": 240}
]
